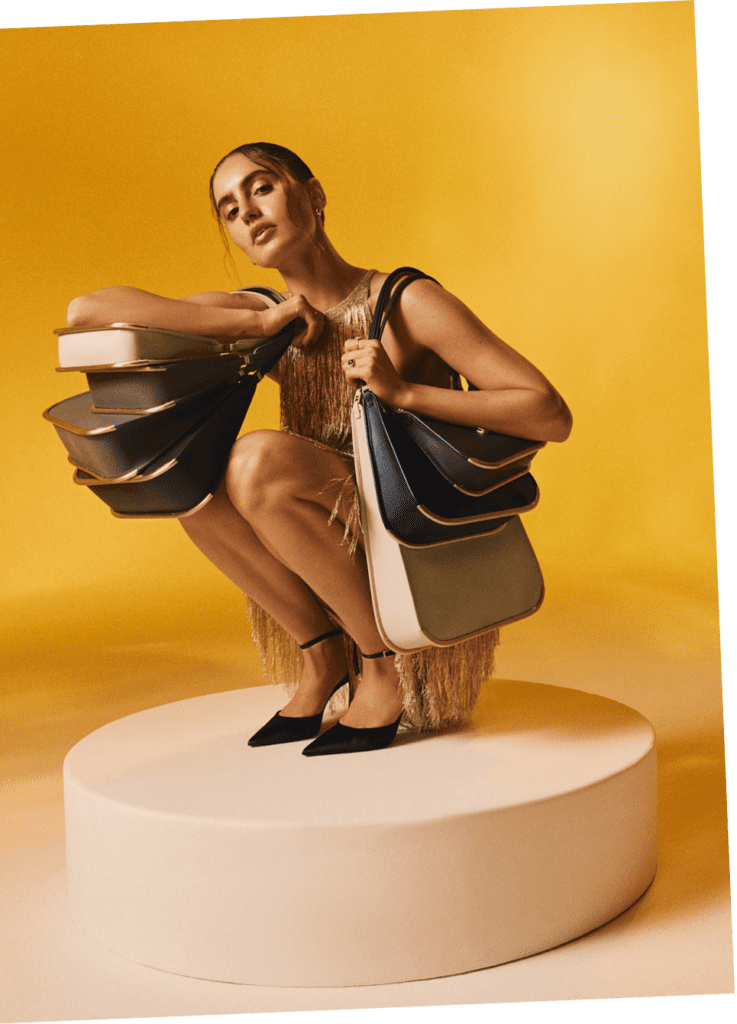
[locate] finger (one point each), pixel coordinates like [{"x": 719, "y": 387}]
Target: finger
[
  {"x": 350, "y": 360},
  {"x": 352, "y": 356},
  {"x": 315, "y": 322},
  {"x": 298, "y": 341},
  {"x": 319, "y": 322},
  {"x": 297, "y": 307},
  {"x": 354, "y": 379},
  {"x": 357, "y": 371},
  {"x": 311, "y": 324}
]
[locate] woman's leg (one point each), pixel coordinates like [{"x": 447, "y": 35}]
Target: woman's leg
[
  {"x": 270, "y": 474},
  {"x": 223, "y": 535},
  {"x": 286, "y": 487}
]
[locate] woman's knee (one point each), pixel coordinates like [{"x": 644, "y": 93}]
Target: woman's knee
[{"x": 258, "y": 471}]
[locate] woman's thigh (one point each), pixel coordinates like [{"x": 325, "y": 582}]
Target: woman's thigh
[{"x": 268, "y": 466}]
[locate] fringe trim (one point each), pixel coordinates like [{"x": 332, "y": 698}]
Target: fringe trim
[
  {"x": 280, "y": 653},
  {"x": 348, "y": 499},
  {"x": 315, "y": 398},
  {"x": 441, "y": 685}
]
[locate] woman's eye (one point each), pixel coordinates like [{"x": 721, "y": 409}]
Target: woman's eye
[
  {"x": 262, "y": 189},
  {"x": 231, "y": 213}
]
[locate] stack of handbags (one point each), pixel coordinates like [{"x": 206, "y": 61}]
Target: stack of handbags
[
  {"x": 152, "y": 435},
  {"x": 440, "y": 508}
]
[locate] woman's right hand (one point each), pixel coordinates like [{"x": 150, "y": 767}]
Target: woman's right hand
[{"x": 310, "y": 321}]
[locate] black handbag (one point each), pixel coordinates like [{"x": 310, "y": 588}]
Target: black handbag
[
  {"x": 184, "y": 477},
  {"x": 417, "y": 503},
  {"x": 436, "y": 480},
  {"x": 114, "y": 446},
  {"x": 474, "y": 461},
  {"x": 157, "y": 386},
  {"x": 152, "y": 438}
]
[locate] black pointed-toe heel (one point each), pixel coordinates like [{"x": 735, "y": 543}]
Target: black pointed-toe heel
[
  {"x": 344, "y": 739},
  {"x": 286, "y": 729}
]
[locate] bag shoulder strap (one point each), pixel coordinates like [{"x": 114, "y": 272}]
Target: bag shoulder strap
[
  {"x": 391, "y": 289},
  {"x": 265, "y": 356},
  {"x": 267, "y": 293}
]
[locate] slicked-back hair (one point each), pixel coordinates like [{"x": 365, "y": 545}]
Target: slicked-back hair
[{"x": 283, "y": 161}]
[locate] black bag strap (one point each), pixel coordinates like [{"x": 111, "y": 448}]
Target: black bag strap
[
  {"x": 265, "y": 356},
  {"x": 391, "y": 289},
  {"x": 398, "y": 281},
  {"x": 270, "y": 293}
]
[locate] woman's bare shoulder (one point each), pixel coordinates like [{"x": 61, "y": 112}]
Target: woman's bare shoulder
[
  {"x": 424, "y": 295},
  {"x": 420, "y": 288}
]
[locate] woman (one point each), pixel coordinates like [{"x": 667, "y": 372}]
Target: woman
[{"x": 283, "y": 526}]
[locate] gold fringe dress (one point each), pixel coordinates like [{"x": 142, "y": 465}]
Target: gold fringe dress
[{"x": 440, "y": 684}]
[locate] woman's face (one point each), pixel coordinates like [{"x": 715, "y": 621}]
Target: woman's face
[{"x": 253, "y": 203}]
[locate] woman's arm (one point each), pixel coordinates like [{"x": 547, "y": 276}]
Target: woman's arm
[
  {"x": 212, "y": 314},
  {"x": 513, "y": 397}
]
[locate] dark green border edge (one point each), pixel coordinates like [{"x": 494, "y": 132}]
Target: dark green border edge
[{"x": 716, "y": 32}]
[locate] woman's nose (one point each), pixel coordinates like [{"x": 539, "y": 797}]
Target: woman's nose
[{"x": 249, "y": 209}]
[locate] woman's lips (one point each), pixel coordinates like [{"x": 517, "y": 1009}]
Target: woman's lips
[{"x": 261, "y": 233}]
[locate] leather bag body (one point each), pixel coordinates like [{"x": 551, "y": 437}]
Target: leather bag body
[
  {"x": 182, "y": 479},
  {"x": 444, "y": 565},
  {"x": 153, "y": 434}
]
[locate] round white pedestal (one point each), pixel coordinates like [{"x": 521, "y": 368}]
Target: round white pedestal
[{"x": 191, "y": 852}]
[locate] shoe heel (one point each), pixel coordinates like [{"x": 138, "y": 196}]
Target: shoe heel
[{"x": 286, "y": 729}]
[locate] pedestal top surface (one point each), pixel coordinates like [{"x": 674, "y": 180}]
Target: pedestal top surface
[{"x": 526, "y": 742}]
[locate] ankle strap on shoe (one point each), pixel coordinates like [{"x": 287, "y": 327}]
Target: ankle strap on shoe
[
  {"x": 381, "y": 654},
  {"x": 323, "y": 636}
]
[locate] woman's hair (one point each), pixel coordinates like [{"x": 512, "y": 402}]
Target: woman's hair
[{"x": 279, "y": 159}]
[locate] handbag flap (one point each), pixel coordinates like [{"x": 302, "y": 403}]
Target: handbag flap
[
  {"x": 474, "y": 460},
  {"x": 415, "y": 502},
  {"x": 484, "y": 449}
]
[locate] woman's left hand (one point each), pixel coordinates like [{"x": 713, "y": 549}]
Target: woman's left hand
[{"x": 365, "y": 361}]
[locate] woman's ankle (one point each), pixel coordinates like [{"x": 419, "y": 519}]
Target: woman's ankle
[
  {"x": 322, "y": 658},
  {"x": 378, "y": 697},
  {"x": 324, "y": 665}
]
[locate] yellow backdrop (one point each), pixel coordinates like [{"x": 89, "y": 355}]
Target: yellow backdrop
[{"x": 542, "y": 163}]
